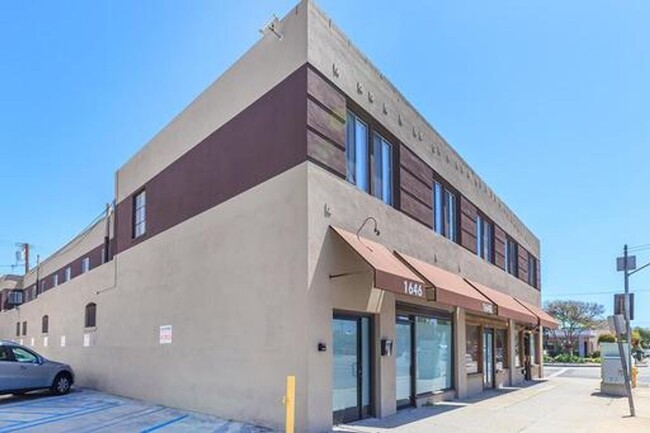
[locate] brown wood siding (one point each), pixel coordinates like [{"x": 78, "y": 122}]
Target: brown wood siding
[
  {"x": 468, "y": 214},
  {"x": 499, "y": 247},
  {"x": 265, "y": 139},
  {"x": 411, "y": 162},
  {"x": 325, "y": 124},
  {"x": 415, "y": 209},
  {"x": 415, "y": 187}
]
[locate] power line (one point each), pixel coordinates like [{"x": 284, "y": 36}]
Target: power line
[{"x": 608, "y": 292}]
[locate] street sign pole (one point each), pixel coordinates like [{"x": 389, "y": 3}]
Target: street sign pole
[
  {"x": 626, "y": 278},
  {"x": 624, "y": 362}
]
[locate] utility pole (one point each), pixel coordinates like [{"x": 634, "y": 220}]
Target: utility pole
[
  {"x": 24, "y": 246},
  {"x": 626, "y": 279}
]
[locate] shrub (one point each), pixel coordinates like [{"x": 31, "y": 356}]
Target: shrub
[{"x": 606, "y": 338}]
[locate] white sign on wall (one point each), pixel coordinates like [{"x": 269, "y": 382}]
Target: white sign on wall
[
  {"x": 63, "y": 341},
  {"x": 86, "y": 340},
  {"x": 165, "y": 334},
  {"x": 45, "y": 341}
]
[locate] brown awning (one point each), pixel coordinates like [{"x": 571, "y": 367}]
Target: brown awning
[
  {"x": 507, "y": 306},
  {"x": 449, "y": 288},
  {"x": 545, "y": 319},
  {"x": 388, "y": 271}
]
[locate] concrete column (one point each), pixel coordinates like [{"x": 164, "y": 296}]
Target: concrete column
[
  {"x": 385, "y": 393},
  {"x": 540, "y": 351},
  {"x": 460, "y": 374},
  {"x": 512, "y": 340}
]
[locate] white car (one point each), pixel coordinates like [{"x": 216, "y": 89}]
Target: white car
[{"x": 23, "y": 370}]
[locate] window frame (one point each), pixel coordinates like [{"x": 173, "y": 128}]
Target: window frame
[
  {"x": 447, "y": 191},
  {"x": 91, "y": 306},
  {"x": 45, "y": 324},
  {"x": 135, "y": 223},
  {"x": 55, "y": 280},
  {"x": 532, "y": 271},
  {"x": 481, "y": 222},
  {"x": 479, "y": 348},
  {"x": 511, "y": 258},
  {"x": 67, "y": 274},
  {"x": 24, "y": 328},
  {"x": 17, "y": 329},
  {"x": 373, "y": 129},
  {"x": 85, "y": 265}
]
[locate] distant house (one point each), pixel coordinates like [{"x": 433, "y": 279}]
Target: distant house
[{"x": 587, "y": 342}]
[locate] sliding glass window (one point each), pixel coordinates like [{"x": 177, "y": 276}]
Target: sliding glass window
[
  {"x": 472, "y": 349},
  {"x": 484, "y": 238},
  {"x": 382, "y": 170},
  {"x": 357, "y": 152},
  {"x": 445, "y": 212},
  {"x": 501, "y": 352}
]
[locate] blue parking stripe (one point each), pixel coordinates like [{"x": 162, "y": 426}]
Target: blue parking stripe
[
  {"x": 165, "y": 424},
  {"x": 49, "y": 420},
  {"x": 127, "y": 417}
]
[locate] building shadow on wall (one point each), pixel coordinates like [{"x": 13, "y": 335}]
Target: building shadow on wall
[{"x": 411, "y": 415}]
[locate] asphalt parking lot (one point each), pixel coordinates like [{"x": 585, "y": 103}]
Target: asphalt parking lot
[{"x": 84, "y": 411}]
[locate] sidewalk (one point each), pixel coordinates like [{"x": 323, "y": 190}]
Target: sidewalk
[{"x": 557, "y": 405}]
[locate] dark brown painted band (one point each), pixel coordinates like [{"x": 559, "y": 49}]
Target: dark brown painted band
[{"x": 265, "y": 139}]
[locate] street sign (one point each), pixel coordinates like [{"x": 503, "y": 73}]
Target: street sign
[
  {"x": 631, "y": 263},
  {"x": 619, "y": 304},
  {"x": 616, "y": 323}
]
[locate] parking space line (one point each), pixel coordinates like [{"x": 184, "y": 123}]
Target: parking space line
[
  {"x": 164, "y": 424},
  {"x": 127, "y": 417},
  {"x": 55, "y": 418}
]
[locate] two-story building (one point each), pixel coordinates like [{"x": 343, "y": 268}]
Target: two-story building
[{"x": 299, "y": 217}]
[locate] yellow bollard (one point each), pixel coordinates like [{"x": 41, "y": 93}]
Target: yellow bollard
[
  {"x": 290, "y": 402},
  {"x": 635, "y": 374}
]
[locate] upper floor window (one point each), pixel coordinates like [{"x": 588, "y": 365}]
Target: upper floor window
[
  {"x": 68, "y": 273},
  {"x": 484, "y": 238},
  {"x": 55, "y": 280},
  {"x": 90, "y": 316},
  {"x": 17, "y": 329},
  {"x": 85, "y": 265},
  {"x": 139, "y": 214},
  {"x": 45, "y": 324},
  {"x": 24, "y": 328},
  {"x": 445, "y": 212},
  {"x": 512, "y": 257},
  {"x": 370, "y": 168},
  {"x": 532, "y": 270}
]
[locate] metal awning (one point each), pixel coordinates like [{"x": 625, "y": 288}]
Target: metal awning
[
  {"x": 449, "y": 288},
  {"x": 545, "y": 319},
  {"x": 507, "y": 306},
  {"x": 389, "y": 273}
]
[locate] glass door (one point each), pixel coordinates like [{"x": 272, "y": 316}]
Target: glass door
[
  {"x": 350, "y": 368},
  {"x": 404, "y": 361},
  {"x": 488, "y": 358}
]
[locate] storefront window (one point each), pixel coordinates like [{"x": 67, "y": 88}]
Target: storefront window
[
  {"x": 472, "y": 351},
  {"x": 501, "y": 353},
  {"x": 433, "y": 351}
]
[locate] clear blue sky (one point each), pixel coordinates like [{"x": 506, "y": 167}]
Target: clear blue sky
[{"x": 547, "y": 100}]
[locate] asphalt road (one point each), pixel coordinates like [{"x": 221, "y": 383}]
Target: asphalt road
[{"x": 583, "y": 372}]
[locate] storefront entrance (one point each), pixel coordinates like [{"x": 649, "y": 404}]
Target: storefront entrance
[
  {"x": 488, "y": 358},
  {"x": 351, "y": 364}
]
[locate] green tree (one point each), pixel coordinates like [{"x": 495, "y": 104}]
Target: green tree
[
  {"x": 644, "y": 334},
  {"x": 575, "y": 317},
  {"x": 606, "y": 338}
]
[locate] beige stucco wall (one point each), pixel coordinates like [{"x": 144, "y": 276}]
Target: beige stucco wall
[
  {"x": 230, "y": 281},
  {"x": 260, "y": 69}
]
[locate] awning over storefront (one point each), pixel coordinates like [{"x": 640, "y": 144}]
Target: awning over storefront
[
  {"x": 545, "y": 319},
  {"x": 449, "y": 288},
  {"x": 507, "y": 306},
  {"x": 389, "y": 272}
]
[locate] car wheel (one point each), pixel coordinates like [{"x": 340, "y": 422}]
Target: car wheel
[{"x": 62, "y": 383}]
